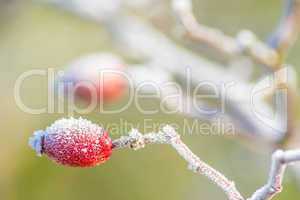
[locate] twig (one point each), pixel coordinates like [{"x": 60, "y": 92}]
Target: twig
[
  {"x": 168, "y": 135},
  {"x": 280, "y": 160},
  {"x": 246, "y": 42},
  {"x": 288, "y": 27},
  {"x": 209, "y": 36}
]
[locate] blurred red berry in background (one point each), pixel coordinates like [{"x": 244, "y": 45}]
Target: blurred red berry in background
[{"x": 99, "y": 76}]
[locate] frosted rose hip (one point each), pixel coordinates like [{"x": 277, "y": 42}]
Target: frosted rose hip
[{"x": 73, "y": 142}]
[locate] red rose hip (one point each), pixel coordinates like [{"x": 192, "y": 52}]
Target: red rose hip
[
  {"x": 98, "y": 76},
  {"x": 73, "y": 142}
]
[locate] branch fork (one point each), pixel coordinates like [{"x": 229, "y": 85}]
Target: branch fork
[{"x": 280, "y": 159}]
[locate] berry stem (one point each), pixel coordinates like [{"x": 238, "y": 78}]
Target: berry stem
[{"x": 135, "y": 140}]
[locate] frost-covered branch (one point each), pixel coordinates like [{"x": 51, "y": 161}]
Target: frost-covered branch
[
  {"x": 245, "y": 43},
  {"x": 168, "y": 135},
  {"x": 280, "y": 160},
  {"x": 209, "y": 36}
]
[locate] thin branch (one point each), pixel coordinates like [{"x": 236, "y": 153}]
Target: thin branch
[
  {"x": 280, "y": 160},
  {"x": 288, "y": 28},
  {"x": 209, "y": 36},
  {"x": 168, "y": 135},
  {"x": 245, "y": 42}
]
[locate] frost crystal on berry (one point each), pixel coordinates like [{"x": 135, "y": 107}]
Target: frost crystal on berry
[{"x": 73, "y": 142}]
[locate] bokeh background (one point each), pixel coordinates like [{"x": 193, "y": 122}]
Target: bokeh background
[{"x": 37, "y": 36}]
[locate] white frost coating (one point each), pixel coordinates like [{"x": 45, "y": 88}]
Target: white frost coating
[
  {"x": 35, "y": 141},
  {"x": 64, "y": 125}
]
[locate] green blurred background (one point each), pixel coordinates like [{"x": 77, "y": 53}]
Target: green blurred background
[{"x": 36, "y": 36}]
